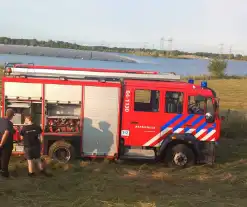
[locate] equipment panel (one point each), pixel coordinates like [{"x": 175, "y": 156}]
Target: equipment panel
[
  {"x": 63, "y": 93},
  {"x": 23, "y": 90},
  {"x": 100, "y": 125}
]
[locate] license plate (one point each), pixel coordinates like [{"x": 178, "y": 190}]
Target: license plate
[{"x": 19, "y": 148}]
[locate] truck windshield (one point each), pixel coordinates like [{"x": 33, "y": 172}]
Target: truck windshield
[{"x": 200, "y": 105}]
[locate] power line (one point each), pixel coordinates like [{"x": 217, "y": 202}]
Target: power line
[
  {"x": 170, "y": 40},
  {"x": 162, "y": 41},
  {"x": 230, "y": 52},
  {"x": 145, "y": 45},
  {"x": 221, "y": 48}
]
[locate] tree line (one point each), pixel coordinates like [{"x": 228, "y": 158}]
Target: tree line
[{"x": 137, "y": 51}]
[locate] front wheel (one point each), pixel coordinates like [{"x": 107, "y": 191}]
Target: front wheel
[{"x": 180, "y": 156}]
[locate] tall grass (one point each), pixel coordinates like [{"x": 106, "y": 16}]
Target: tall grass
[{"x": 234, "y": 125}]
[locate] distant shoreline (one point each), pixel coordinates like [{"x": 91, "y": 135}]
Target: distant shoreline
[
  {"x": 63, "y": 53},
  {"x": 184, "y": 57},
  {"x": 189, "y": 57},
  {"x": 61, "y": 45},
  {"x": 85, "y": 54},
  {"x": 79, "y": 54}
]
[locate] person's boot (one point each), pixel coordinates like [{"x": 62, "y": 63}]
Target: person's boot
[
  {"x": 31, "y": 174},
  {"x": 4, "y": 174},
  {"x": 43, "y": 172}
]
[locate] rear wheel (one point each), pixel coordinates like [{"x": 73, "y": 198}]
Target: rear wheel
[
  {"x": 62, "y": 151},
  {"x": 179, "y": 156}
]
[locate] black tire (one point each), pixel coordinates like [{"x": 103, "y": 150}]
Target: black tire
[
  {"x": 180, "y": 156},
  {"x": 62, "y": 151}
]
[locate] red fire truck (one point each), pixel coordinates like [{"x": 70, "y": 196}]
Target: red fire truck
[{"x": 114, "y": 114}]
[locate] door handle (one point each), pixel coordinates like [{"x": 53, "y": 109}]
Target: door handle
[{"x": 134, "y": 122}]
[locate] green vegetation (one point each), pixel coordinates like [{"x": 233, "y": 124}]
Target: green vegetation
[
  {"x": 217, "y": 67},
  {"x": 235, "y": 124},
  {"x": 137, "y": 184},
  {"x": 136, "y": 51}
]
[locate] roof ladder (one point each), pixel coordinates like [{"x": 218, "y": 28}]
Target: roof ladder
[{"x": 84, "y": 73}]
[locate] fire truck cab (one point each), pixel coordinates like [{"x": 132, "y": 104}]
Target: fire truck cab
[{"x": 115, "y": 114}]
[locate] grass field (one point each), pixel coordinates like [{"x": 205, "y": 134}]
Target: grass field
[
  {"x": 232, "y": 92},
  {"x": 134, "y": 183},
  {"x": 141, "y": 184}
]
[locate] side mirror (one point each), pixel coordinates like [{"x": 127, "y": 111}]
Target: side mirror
[{"x": 209, "y": 117}]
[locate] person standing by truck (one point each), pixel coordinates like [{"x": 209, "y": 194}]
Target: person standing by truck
[
  {"x": 30, "y": 134},
  {"x": 6, "y": 141}
]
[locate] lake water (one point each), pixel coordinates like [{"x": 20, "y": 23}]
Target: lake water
[{"x": 179, "y": 66}]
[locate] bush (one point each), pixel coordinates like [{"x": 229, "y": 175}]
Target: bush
[
  {"x": 234, "y": 125},
  {"x": 217, "y": 67}
]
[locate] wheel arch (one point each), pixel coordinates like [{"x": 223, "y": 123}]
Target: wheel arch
[
  {"x": 174, "y": 139},
  {"x": 49, "y": 140}
]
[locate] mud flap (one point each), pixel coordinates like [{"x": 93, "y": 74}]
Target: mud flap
[
  {"x": 210, "y": 157},
  {"x": 207, "y": 153}
]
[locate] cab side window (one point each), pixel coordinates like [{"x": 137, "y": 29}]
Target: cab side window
[
  {"x": 174, "y": 102},
  {"x": 147, "y": 100},
  {"x": 200, "y": 105},
  {"x": 196, "y": 105}
]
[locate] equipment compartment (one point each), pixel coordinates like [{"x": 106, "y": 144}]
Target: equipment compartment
[
  {"x": 63, "y": 118},
  {"x": 22, "y": 108}
]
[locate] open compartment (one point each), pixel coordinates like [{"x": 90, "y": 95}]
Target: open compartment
[
  {"x": 22, "y": 108},
  {"x": 62, "y": 118}
]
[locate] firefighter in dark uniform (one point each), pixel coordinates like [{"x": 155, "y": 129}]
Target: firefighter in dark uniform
[
  {"x": 6, "y": 141},
  {"x": 30, "y": 134}
]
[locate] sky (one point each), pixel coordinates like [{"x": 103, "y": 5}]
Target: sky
[{"x": 194, "y": 25}]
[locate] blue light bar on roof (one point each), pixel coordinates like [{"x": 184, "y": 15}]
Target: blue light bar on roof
[
  {"x": 191, "y": 81},
  {"x": 204, "y": 84}
]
